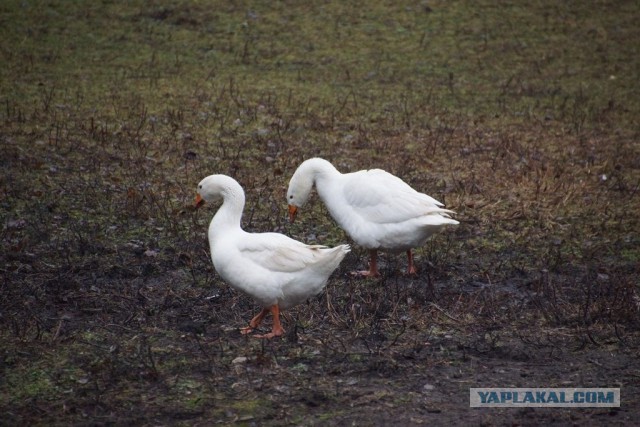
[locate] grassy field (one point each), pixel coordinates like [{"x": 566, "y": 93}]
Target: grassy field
[{"x": 523, "y": 117}]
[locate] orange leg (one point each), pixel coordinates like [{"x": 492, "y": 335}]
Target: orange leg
[
  {"x": 373, "y": 266},
  {"x": 255, "y": 322},
  {"x": 277, "y": 330},
  {"x": 411, "y": 268}
]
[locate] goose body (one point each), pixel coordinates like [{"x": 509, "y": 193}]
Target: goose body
[
  {"x": 277, "y": 271},
  {"x": 376, "y": 209}
]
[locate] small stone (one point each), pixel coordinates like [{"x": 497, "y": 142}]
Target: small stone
[
  {"x": 239, "y": 359},
  {"x": 16, "y": 224},
  {"x": 428, "y": 387}
]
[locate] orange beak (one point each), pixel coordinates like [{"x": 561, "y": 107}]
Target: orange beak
[
  {"x": 293, "y": 210},
  {"x": 199, "y": 201}
]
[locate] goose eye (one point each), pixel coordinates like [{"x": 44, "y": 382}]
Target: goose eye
[
  {"x": 291, "y": 196},
  {"x": 200, "y": 186}
]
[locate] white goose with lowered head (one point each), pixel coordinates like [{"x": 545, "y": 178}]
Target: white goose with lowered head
[
  {"x": 376, "y": 209},
  {"x": 277, "y": 271}
]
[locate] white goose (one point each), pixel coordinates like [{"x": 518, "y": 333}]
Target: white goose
[
  {"x": 277, "y": 271},
  {"x": 376, "y": 209}
]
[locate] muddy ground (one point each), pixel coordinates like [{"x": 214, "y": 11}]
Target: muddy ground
[{"x": 155, "y": 350}]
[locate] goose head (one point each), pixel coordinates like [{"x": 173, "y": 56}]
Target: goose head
[
  {"x": 299, "y": 191},
  {"x": 214, "y": 188}
]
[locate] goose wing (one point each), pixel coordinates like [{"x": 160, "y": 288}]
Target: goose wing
[
  {"x": 380, "y": 197},
  {"x": 279, "y": 253}
]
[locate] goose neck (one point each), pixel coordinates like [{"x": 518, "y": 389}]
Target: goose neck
[{"x": 230, "y": 213}]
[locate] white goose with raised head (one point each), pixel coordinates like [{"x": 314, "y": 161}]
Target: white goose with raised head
[{"x": 277, "y": 271}]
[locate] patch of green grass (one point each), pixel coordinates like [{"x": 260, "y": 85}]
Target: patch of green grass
[
  {"x": 631, "y": 254},
  {"x": 28, "y": 384}
]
